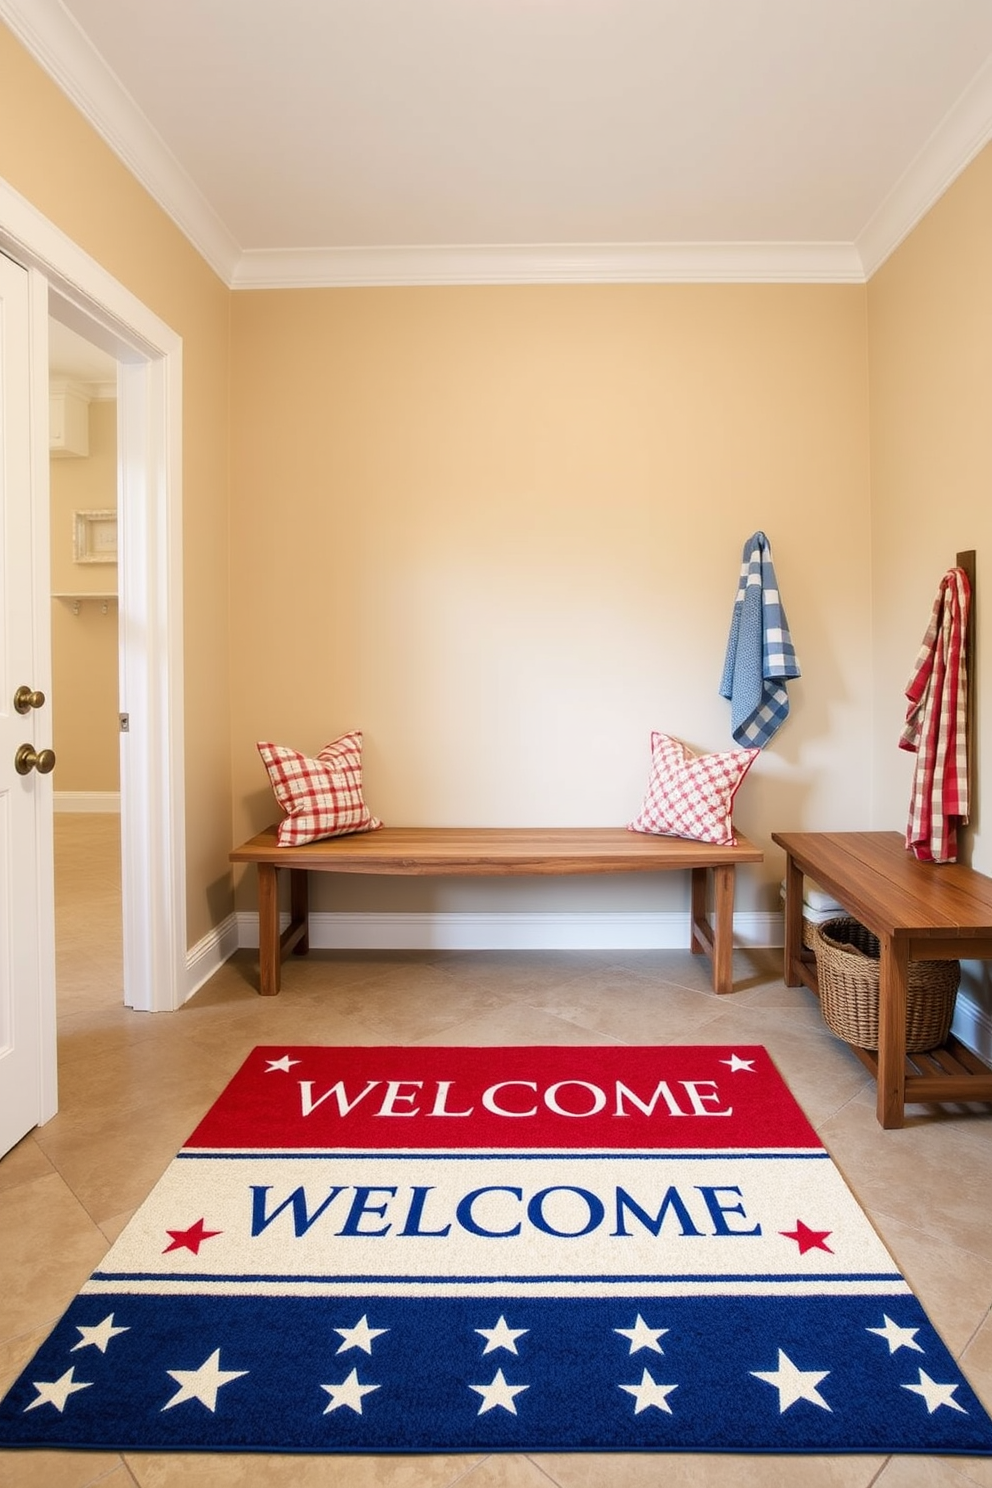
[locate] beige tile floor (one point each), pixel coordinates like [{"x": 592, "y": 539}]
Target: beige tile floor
[{"x": 133, "y": 1085}]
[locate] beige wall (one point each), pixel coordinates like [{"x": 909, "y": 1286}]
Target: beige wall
[
  {"x": 54, "y": 159},
  {"x": 85, "y": 648},
  {"x": 499, "y": 530},
  {"x": 930, "y": 341}
]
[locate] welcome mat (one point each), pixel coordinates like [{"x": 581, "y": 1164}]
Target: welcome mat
[{"x": 522, "y": 1249}]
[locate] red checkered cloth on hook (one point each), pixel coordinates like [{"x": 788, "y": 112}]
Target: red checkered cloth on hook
[{"x": 936, "y": 726}]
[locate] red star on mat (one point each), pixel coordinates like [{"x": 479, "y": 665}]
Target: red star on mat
[
  {"x": 808, "y": 1239},
  {"x": 190, "y": 1239}
]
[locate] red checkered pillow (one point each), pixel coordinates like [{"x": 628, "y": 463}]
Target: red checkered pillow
[
  {"x": 321, "y": 797},
  {"x": 691, "y": 795}
]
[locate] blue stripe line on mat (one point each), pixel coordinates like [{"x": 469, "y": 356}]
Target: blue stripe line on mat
[
  {"x": 502, "y": 1278},
  {"x": 648, "y": 1154}
]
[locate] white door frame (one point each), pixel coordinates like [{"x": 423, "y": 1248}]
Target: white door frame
[{"x": 149, "y": 353}]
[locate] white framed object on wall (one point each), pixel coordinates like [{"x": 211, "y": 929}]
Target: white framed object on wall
[{"x": 95, "y": 537}]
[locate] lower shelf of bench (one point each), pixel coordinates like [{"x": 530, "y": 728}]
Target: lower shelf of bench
[{"x": 949, "y": 1073}]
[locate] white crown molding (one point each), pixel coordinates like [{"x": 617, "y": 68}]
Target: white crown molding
[
  {"x": 552, "y": 263},
  {"x": 69, "y": 385},
  {"x": 963, "y": 131},
  {"x": 93, "y": 392},
  {"x": 56, "y": 43}
]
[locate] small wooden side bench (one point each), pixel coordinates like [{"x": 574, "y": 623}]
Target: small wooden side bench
[
  {"x": 496, "y": 852},
  {"x": 920, "y": 912}
]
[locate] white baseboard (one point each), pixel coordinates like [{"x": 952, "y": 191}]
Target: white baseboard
[
  {"x": 973, "y": 1025},
  {"x": 210, "y": 953},
  {"x": 558, "y": 931},
  {"x": 102, "y": 801}
]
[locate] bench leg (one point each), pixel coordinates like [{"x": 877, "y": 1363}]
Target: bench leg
[
  {"x": 269, "y": 950},
  {"x": 299, "y": 910},
  {"x": 716, "y": 941},
  {"x": 700, "y": 936},
  {"x": 273, "y": 947},
  {"x": 793, "y": 923},
  {"x": 893, "y": 974},
  {"x": 723, "y": 928}
]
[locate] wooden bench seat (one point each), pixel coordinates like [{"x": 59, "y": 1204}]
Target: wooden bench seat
[
  {"x": 495, "y": 852},
  {"x": 920, "y": 912}
]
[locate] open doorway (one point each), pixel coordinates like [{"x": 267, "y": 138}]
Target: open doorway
[
  {"x": 51, "y": 277},
  {"x": 83, "y": 477},
  {"x": 148, "y": 708}
]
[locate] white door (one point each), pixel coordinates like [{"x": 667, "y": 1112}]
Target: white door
[{"x": 27, "y": 978}]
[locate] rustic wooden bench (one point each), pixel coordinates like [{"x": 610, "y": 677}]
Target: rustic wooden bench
[
  {"x": 496, "y": 852},
  {"x": 920, "y": 912}
]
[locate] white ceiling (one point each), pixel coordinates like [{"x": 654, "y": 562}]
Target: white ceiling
[
  {"x": 73, "y": 359},
  {"x": 362, "y": 141}
]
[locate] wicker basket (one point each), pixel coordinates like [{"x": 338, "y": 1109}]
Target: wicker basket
[{"x": 847, "y": 962}]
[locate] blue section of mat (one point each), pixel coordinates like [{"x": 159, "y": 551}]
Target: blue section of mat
[{"x": 396, "y": 1374}]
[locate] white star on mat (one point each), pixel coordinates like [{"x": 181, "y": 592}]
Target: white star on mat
[
  {"x": 500, "y": 1392},
  {"x": 897, "y": 1337},
  {"x": 736, "y": 1063},
  {"x": 642, "y": 1337},
  {"x": 285, "y": 1064},
  {"x": 650, "y": 1393},
  {"x": 794, "y": 1384},
  {"x": 935, "y": 1395},
  {"x": 501, "y": 1337},
  {"x": 57, "y": 1392},
  {"x": 99, "y": 1335},
  {"x": 360, "y": 1336},
  {"x": 349, "y": 1392},
  {"x": 202, "y": 1384}
]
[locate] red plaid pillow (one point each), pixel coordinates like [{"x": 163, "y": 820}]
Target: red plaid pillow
[
  {"x": 691, "y": 795},
  {"x": 321, "y": 797}
]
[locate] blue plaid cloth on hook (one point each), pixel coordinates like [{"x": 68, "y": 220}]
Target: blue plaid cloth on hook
[{"x": 760, "y": 655}]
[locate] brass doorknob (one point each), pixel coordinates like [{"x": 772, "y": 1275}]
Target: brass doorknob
[
  {"x": 25, "y": 699},
  {"x": 25, "y": 760}
]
